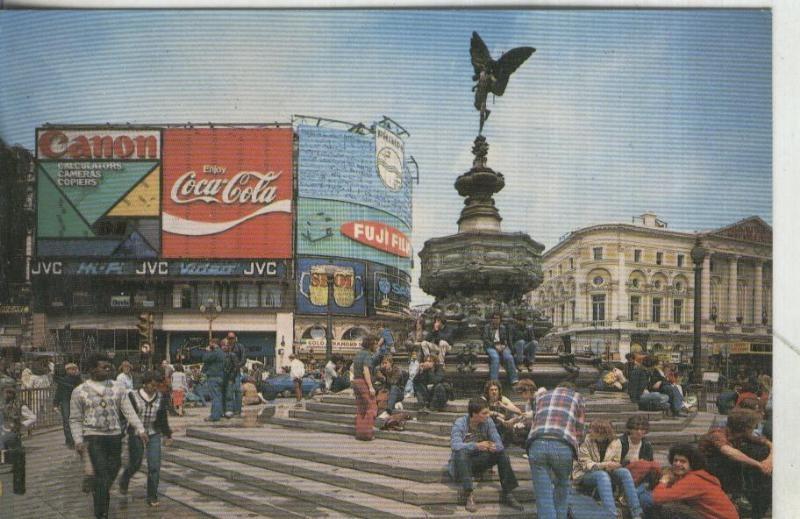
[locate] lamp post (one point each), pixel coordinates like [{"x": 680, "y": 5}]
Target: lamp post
[
  {"x": 698, "y": 254},
  {"x": 329, "y": 278},
  {"x": 210, "y": 310}
]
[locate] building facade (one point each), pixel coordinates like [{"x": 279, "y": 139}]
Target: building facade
[
  {"x": 17, "y": 217},
  {"x": 165, "y": 234},
  {"x": 619, "y": 288}
]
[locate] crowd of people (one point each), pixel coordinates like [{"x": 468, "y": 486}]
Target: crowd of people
[{"x": 577, "y": 466}]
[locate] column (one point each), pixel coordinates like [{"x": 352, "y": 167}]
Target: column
[
  {"x": 758, "y": 292},
  {"x": 705, "y": 289},
  {"x": 284, "y": 333},
  {"x": 622, "y": 278},
  {"x": 733, "y": 276}
]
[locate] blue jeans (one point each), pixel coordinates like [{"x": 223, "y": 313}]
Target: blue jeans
[
  {"x": 136, "y": 451},
  {"x": 214, "y": 386},
  {"x": 395, "y": 395},
  {"x": 675, "y": 397},
  {"x": 233, "y": 395},
  {"x": 601, "y": 480},
  {"x": 468, "y": 463},
  {"x": 508, "y": 362},
  {"x": 524, "y": 352},
  {"x": 63, "y": 407},
  {"x": 413, "y": 369},
  {"x": 549, "y": 456}
]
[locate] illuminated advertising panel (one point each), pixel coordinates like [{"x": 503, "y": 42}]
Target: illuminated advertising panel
[
  {"x": 227, "y": 193},
  {"x": 347, "y": 167},
  {"x": 389, "y": 289},
  {"x": 341, "y": 229},
  {"x": 349, "y": 287},
  {"x": 98, "y": 192}
]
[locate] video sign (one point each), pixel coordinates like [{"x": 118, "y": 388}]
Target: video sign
[
  {"x": 346, "y": 230},
  {"x": 349, "y": 287},
  {"x": 227, "y": 193},
  {"x": 98, "y": 192}
]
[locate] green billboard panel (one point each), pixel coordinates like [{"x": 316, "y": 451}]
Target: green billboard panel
[{"x": 56, "y": 217}]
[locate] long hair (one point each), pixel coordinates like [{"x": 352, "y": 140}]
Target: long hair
[
  {"x": 696, "y": 459},
  {"x": 601, "y": 430},
  {"x": 489, "y": 385}
]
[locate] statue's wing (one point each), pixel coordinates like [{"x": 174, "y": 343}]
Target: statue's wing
[
  {"x": 481, "y": 59},
  {"x": 507, "y": 64}
]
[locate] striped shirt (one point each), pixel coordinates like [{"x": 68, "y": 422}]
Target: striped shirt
[{"x": 560, "y": 414}]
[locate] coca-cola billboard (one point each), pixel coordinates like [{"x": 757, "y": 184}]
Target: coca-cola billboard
[{"x": 227, "y": 193}]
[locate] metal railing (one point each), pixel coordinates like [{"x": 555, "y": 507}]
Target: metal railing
[{"x": 40, "y": 401}]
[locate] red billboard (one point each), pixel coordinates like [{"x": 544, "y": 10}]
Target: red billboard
[{"x": 227, "y": 193}]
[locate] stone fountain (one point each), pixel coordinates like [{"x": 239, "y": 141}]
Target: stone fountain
[{"x": 481, "y": 270}]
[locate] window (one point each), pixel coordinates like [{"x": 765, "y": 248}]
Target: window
[
  {"x": 637, "y": 255},
  {"x": 271, "y": 296},
  {"x": 205, "y": 291},
  {"x": 597, "y": 253},
  {"x": 680, "y": 260},
  {"x": 550, "y": 273},
  {"x": 572, "y": 311},
  {"x": 571, "y": 263},
  {"x": 559, "y": 269},
  {"x": 599, "y": 308},
  {"x": 677, "y": 311},
  {"x": 561, "y": 312},
  {"x": 355, "y": 334},
  {"x": 636, "y": 303},
  {"x": 598, "y": 280},
  {"x": 656, "y": 310},
  {"x": 185, "y": 296},
  {"x": 659, "y": 258},
  {"x": 247, "y": 295}
]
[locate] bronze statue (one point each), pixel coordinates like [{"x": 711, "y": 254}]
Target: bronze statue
[{"x": 492, "y": 76}]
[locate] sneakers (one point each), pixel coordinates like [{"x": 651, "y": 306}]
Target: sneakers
[
  {"x": 469, "y": 502},
  {"x": 229, "y": 414},
  {"x": 208, "y": 419},
  {"x": 508, "y": 499},
  {"x": 153, "y": 503},
  {"x": 398, "y": 406}
]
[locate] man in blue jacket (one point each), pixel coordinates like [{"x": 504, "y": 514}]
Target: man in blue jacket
[
  {"x": 476, "y": 447},
  {"x": 214, "y": 369}
]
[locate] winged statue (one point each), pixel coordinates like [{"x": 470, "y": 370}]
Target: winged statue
[{"x": 492, "y": 76}]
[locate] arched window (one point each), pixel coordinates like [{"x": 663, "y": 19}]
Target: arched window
[
  {"x": 355, "y": 333},
  {"x": 314, "y": 332}
]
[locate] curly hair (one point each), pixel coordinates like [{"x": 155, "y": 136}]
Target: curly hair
[
  {"x": 602, "y": 430},
  {"x": 696, "y": 459}
]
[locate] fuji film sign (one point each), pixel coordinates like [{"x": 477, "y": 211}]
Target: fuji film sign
[{"x": 378, "y": 236}]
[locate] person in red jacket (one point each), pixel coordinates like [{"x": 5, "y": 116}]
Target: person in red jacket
[{"x": 688, "y": 491}]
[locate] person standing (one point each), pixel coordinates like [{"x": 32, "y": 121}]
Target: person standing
[
  {"x": 497, "y": 344},
  {"x": 238, "y": 353},
  {"x": 152, "y": 408},
  {"x": 95, "y": 409},
  {"x": 475, "y": 446},
  {"x": 15, "y": 419},
  {"x": 66, "y": 382},
  {"x": 297, "y": 370},
  {"x": 213, "y": 368},
  {"x": 385, "y": 345},
  {"x": 552, "y": 445},
  {"x": 363, "y": 390},
  {"x": 124, "y": 377},
  {"x": 180, "y": 386}
]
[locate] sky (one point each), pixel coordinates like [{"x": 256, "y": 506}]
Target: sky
[{"x": 617, "y": 112}]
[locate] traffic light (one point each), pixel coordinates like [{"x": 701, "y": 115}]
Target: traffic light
[{"x": 144, "y": 327}]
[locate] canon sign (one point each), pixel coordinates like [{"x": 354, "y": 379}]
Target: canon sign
[{"x": 98, "y": 144}]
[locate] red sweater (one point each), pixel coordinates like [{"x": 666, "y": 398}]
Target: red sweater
[{"x": 702, "y": 492}]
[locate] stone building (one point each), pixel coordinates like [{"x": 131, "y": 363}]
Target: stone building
[{"x": 617, "y": 288}]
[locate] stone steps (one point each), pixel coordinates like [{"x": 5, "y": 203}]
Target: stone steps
[
  {"x": 399, "y": 460},
  {"x": 237, "y": 475},
  {"x": 390, "y": 486}
]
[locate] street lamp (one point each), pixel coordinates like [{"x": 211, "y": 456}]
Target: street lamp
[
  {"x": 698, "y": 255},
  {"x": 210, "y": 310}
]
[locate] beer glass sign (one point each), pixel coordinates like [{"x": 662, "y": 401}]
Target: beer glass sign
[{"x": 348, "y": 287}]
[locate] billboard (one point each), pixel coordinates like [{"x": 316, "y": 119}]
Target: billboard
[
  {"x": 342, "y": 229},
  {"x": 362, "y": 169},
  {"x": 389, "y": 290},
  {"x": 349, "y": 287},
  {"x": 98, "y": 192},
  {"x": 227, "y": 193}
]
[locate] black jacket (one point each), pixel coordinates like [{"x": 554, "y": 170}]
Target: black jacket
[
  {"x": 488, "y": 336},
  {"x": 445, "y": 333},
  {"x": 64, "y": 385},
  {"x": 638, "y": 381},
  {"x": 645, "y": 452}
]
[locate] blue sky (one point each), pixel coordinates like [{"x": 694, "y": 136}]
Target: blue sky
[{"x": 618, "y": 112}]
